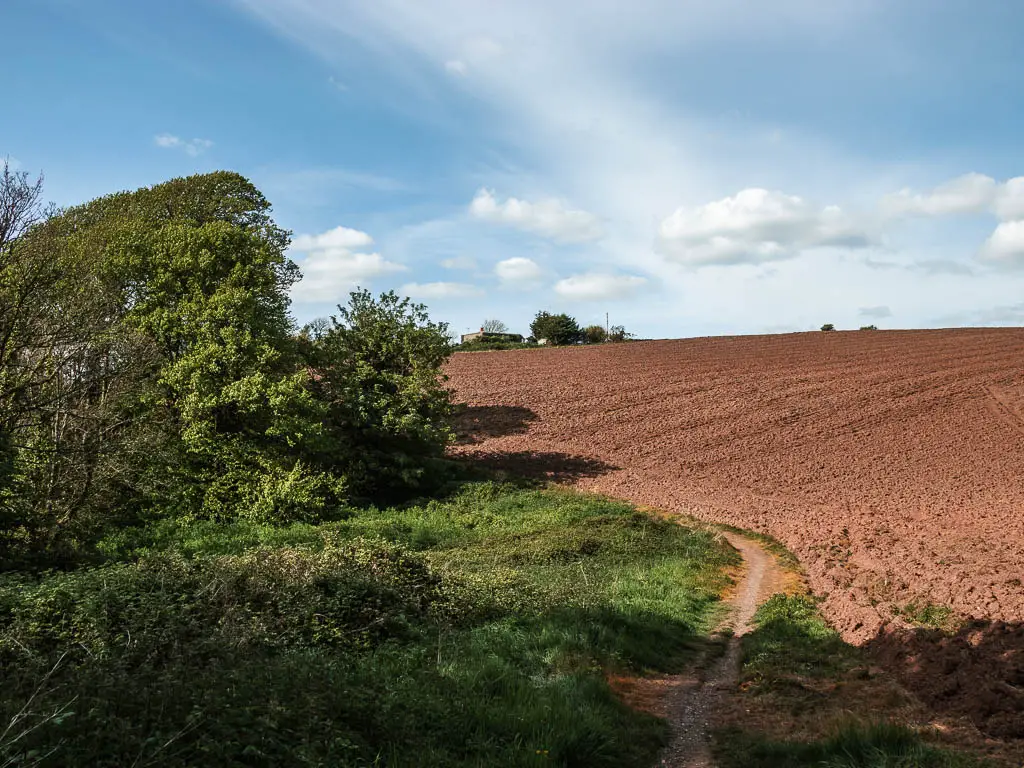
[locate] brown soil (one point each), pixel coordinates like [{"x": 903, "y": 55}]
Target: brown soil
[{"x": 890, "y": 462}]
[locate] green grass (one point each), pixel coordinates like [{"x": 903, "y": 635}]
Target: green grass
[
  {"x": 792, "y": 644},
  {"x": 928, "y": 615},
  {"x": 853, "y": 746},
  {"x": 476, "y": 630}
]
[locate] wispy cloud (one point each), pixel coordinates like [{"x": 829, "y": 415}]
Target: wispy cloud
[
  {"x": 673, "y": 160},
  {"x": 441, "y": 290},
  {"x": 459, "y": 262},
  {"x": 550, "y": 218},
  {"x": 191, "y": 147},
  {"x": 597, "y": 286},
  {"x": 876, "y": 313},
  {"x": 971, "y": 193}
]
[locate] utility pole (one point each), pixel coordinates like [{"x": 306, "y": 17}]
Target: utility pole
[{"x": 607, "y": 328}]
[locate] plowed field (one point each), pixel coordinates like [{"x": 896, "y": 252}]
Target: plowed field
[{"x": 890, "y": 462}]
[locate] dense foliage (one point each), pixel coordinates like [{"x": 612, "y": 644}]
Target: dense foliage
[
  {"x": 376, "y": 366},
  {"x": 555, "y": 329},
  {"x": 472, "y": 631},
  {"x": 149, "y": 366}
]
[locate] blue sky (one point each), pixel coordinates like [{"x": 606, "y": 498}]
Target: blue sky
[{"x": 690, "y": 167}]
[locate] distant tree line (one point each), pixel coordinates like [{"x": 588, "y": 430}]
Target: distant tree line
[
  {"x": 546, "y": 328},
  {"x": 562, "y": 329}
]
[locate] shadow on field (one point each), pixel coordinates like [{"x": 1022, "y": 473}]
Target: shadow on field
[
  {"x": 977, "y": 673},
  {"x": 540, "y": 465},
  {"x": 476, "y": 423}
]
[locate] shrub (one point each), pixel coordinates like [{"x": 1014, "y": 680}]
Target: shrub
[
  {"x": 377, "y": 368},
  {"x": 828, "y": 327},
  {"x": 617, "y": 333},
  {"x": 869, "y": 327},
  {"x": 594, "y": 334},
  {"x": 163, "y": 607},
  {"x": 483, "y": 345}
]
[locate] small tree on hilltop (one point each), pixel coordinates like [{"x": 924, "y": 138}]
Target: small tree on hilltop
[
  {"x": 494, "y": 326},
  {"x": 618, "y": 333},
  {"x": 556, "y": 329},
  {"x": 828, "y": 327},
  {"x": 595, "y": 334}
]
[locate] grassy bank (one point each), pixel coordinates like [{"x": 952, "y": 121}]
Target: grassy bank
[{"x": 475, "y": 630}]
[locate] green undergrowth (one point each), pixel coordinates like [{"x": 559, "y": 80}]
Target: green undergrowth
[
  {"x": 493, "y": 346},
  {"x": 475, "y": 630},
  {"x": 929, "y": 615},
  {"x": 795, "y": 665},
  {"x": 879, "y": 745}
]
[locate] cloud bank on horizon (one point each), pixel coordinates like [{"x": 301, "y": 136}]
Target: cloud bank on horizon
[{"x": 707, "y": 166}]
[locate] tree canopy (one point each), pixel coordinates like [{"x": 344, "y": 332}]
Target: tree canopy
[
  {"x": 149, "y": 365},
  {"x": 556, "y": 329}
]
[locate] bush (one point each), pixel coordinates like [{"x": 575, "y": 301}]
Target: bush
[
  {"x": 617, "y": 333},
  {"x": 353, "y": 594},
  {"x": 377, "y": 368},
  {"x": 828, "y": 327},
  {"x": 484, "y": 345},
  {"x": 869, "y": 328},
  {"x": 594, "y": 334}
]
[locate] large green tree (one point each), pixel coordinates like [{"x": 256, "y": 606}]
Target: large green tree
[
  {"x": 149, "y": 365},
  {"x": 153, "y": 365},
  {"x": 556, "y": 329}
]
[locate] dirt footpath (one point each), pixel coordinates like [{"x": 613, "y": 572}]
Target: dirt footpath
[
  {"x": 890, "y": 462},
  {"x": 690, "y": 705}
]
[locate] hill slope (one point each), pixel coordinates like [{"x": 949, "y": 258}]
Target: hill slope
[{"x": 889, "y": 461}]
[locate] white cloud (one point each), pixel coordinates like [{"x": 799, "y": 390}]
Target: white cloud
[
  {"x": 1009, "y": 204},
  {"x": 330, "y": 269},
  {"x": 337, "y": 84},
  {"x": 550, "y": 218},
  {"x": 519, "y": 271},
  {"x": 594, "y": 286},
  {"x": 1005, "y": 246},
  {"x": 441, "y": 290},
  {"x": 970, "y": 193},
  {"x": 756, "y": 225},
  {"x": 459, "y": 262},
  {"x": 875, "y": 312},
  {"x": 339, "y": 237},
  {"x": 456, "y": 66},
  {"x": 191, "y": 147},
  {"x": 570, "y": 106}
]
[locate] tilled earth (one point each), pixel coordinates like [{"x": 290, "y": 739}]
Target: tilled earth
[{"x": 890, "y": 462}]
